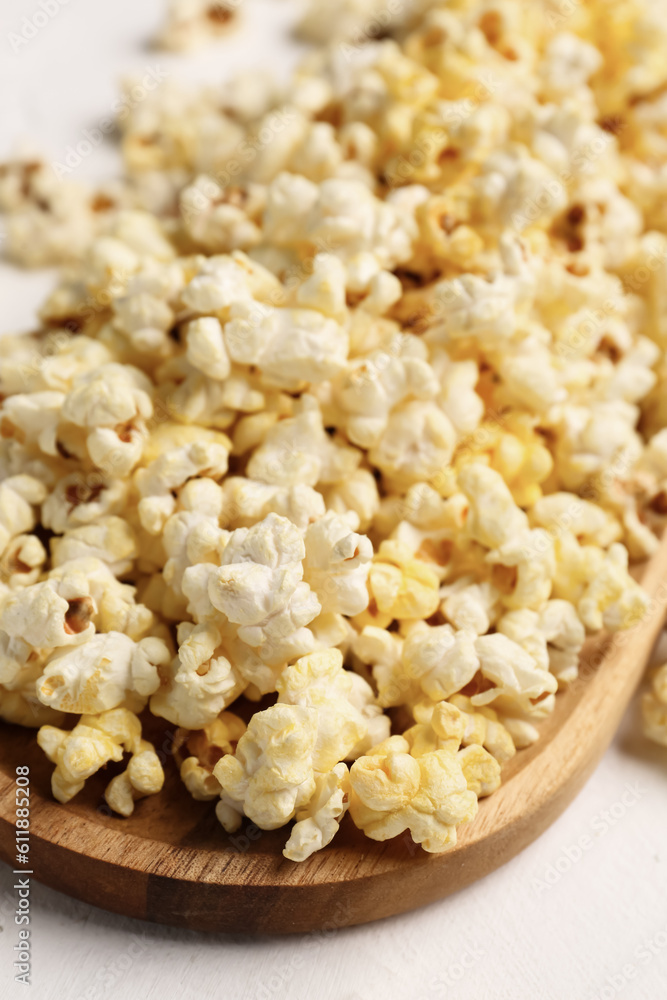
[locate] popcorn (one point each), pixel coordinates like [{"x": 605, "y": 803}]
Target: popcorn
[
  {"x": 612, "y": 598},
  {"x": 493, "y": 518},
  {"x": 94, "y": 741},
  {"x": 259, "y": 584},
  {"x": 109, "y": 540},
  {"x": 206, "y": 349},
  {"x": 654, "y": 707},
  {"x": 336, "y": 565},
  {"x": 392, "y": 792},
  {"x": 18, "y": 497},
  {"x": 53, "y": 613},
  {"x": 318, "y": 822},
  {"x": 271, "y": 775},
  {"x": 417, "y": 444},
  {"x": 192, "y": 23},
  {"x": 206, "y": 456},
  {"x": 400, "y": 586},
  {"x": 143, "y": 776},
  {"x": 205, "y": 748},
  {"x": 80, "y": 499},
  {"x": 434, "y": 333},
  {"x": 201, "y": 680},
  {"x": 373, "y": 386},
  {"x": 100, "y": 674},
  {"x": 22, "y": 561},
  {"x": 288, "y": 346},
  {"x": 441, "y": 660},
  {"x": 298, "y": 450},
  {"x": 516, "y": 676},
  {"x": 19, "y": 704},
  {"x": 470, "y": 606}
]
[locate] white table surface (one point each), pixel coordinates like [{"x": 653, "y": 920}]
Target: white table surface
[{"x": 557, "y": 923}]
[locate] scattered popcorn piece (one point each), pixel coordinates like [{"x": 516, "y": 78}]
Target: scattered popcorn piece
[{"x": 192, "y": 23}]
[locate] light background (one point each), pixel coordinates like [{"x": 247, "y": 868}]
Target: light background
[{"x": 597, "y": 932}]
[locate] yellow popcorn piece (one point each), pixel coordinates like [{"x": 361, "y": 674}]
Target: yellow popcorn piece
[
  {"x": 94, "y": 741},
  {"x": 198, "y": 752},
  {"x": 654, "y": 707},
  {"x": 401, "y": 586},
  {"x": 271, "y": 775},
  {"x": 392, "y": 792},
  {"x": 481, "y": 725}
]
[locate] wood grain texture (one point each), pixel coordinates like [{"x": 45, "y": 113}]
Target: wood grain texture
[{"x": 172, "y": 863}]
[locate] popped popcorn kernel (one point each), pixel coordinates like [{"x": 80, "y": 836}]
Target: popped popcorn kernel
[{"x": 348, "y": 408}]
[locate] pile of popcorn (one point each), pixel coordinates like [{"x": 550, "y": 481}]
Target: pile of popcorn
[{"x": 347, "y": 417}]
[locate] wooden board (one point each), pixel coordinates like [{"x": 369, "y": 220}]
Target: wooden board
[{"x": 171, "y": 862}]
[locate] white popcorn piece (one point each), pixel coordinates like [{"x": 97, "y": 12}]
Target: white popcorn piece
[
  {"x": 441, "y": 660},
  {"x": 470, "y": 606},
  {"x": 206, "y": 349},
  {"x": 19, "y": 704},
  {"x": 246, "y": 501},
  {"x": 611, "y": 598},
  {"x": 336, "y": 565},
  {"x": 19, "y": 495},
  {"x": 271, "y": 774},
  {"x": 530, "y": 555},
  {"x": 259, "y": 585},
  {"x": 110, "y": 540},
  {"x": 517, "y": 677},
  {"x": 173, "y": 468},
  {"x": 37, "y": 416},
  {"x": 374, "y": 385},
  {"x": 417, "y": 444},
  {"x": 493, "y": 518},
  {"x": 114, "y": 607},
  {"x": 298, "y": 450},
  {"x": 318, "y": 822},
  {"x": 193, "y": 23},
  {"x": 198, "y": 752},
  {"x": 392, "y": 791},
  {"x": 202, "y": 680},
  {"x": 81, "y": 498},
  {"x": 288, "y": 346},
  {"x": 22, "y": 561},
  {"x": 99, "y": 675},
  {"x": 49, "y": 614}
]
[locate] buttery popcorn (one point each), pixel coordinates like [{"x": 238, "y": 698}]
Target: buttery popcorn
[{"x": 350, "y": 404}]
